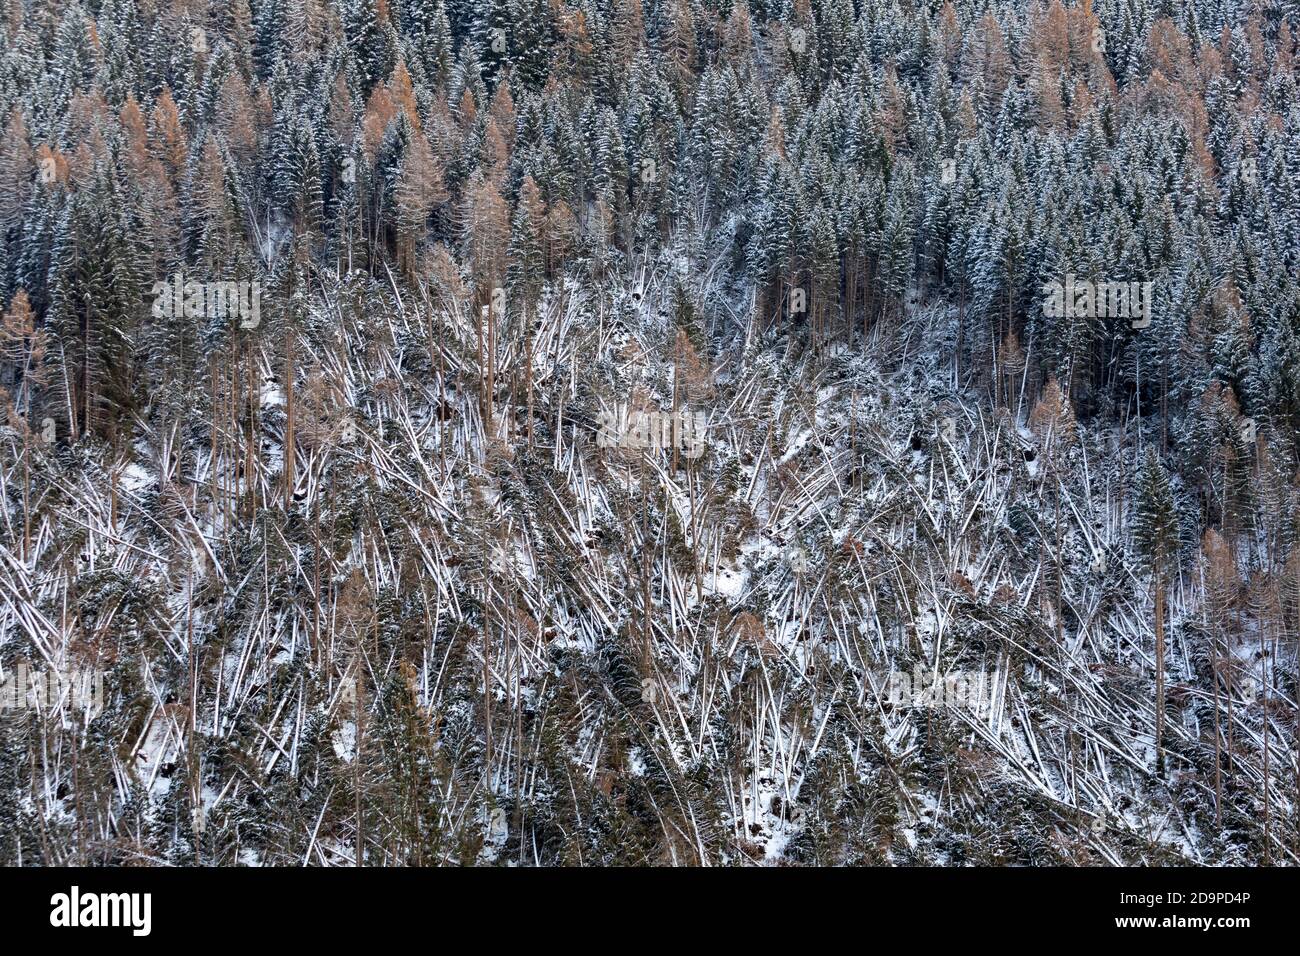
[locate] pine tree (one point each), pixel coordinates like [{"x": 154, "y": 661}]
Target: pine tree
[
  {"x": 368, "y": 42},
  {"x": 526, "y": 254},
  {"x": 95, "y": 296}
]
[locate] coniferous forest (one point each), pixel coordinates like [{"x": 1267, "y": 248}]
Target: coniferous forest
[{"x": 651, "y": 432}]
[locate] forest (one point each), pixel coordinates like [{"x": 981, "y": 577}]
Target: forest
[{"x": 649, "y": 432}]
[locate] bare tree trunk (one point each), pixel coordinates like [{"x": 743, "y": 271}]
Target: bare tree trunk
[
  {"x": 1264, "y": 679},
  {"x": 1218, "y": 742},
  {"x": 1160, "y": 666},
  {"x": 528, "y": 380},
  {"x": 290, "y": 443},
  {"x": 359, "y": 716},
  {"x": 487, "y": 689}
]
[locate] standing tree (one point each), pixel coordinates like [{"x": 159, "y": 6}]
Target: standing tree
[
  {"x": 1155, "y": 533},
  {"x": 419, "y": 190},
  {"x": 1220, "y": 588}
]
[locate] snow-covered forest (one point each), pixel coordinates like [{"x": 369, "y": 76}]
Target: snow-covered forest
[{"x": 695, "y": 432}]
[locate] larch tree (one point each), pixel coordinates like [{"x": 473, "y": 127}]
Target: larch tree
[{"x": 419, "y": 191}]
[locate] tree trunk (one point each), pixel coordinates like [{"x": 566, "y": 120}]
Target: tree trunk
[{"x": 1160, "y": 666}]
